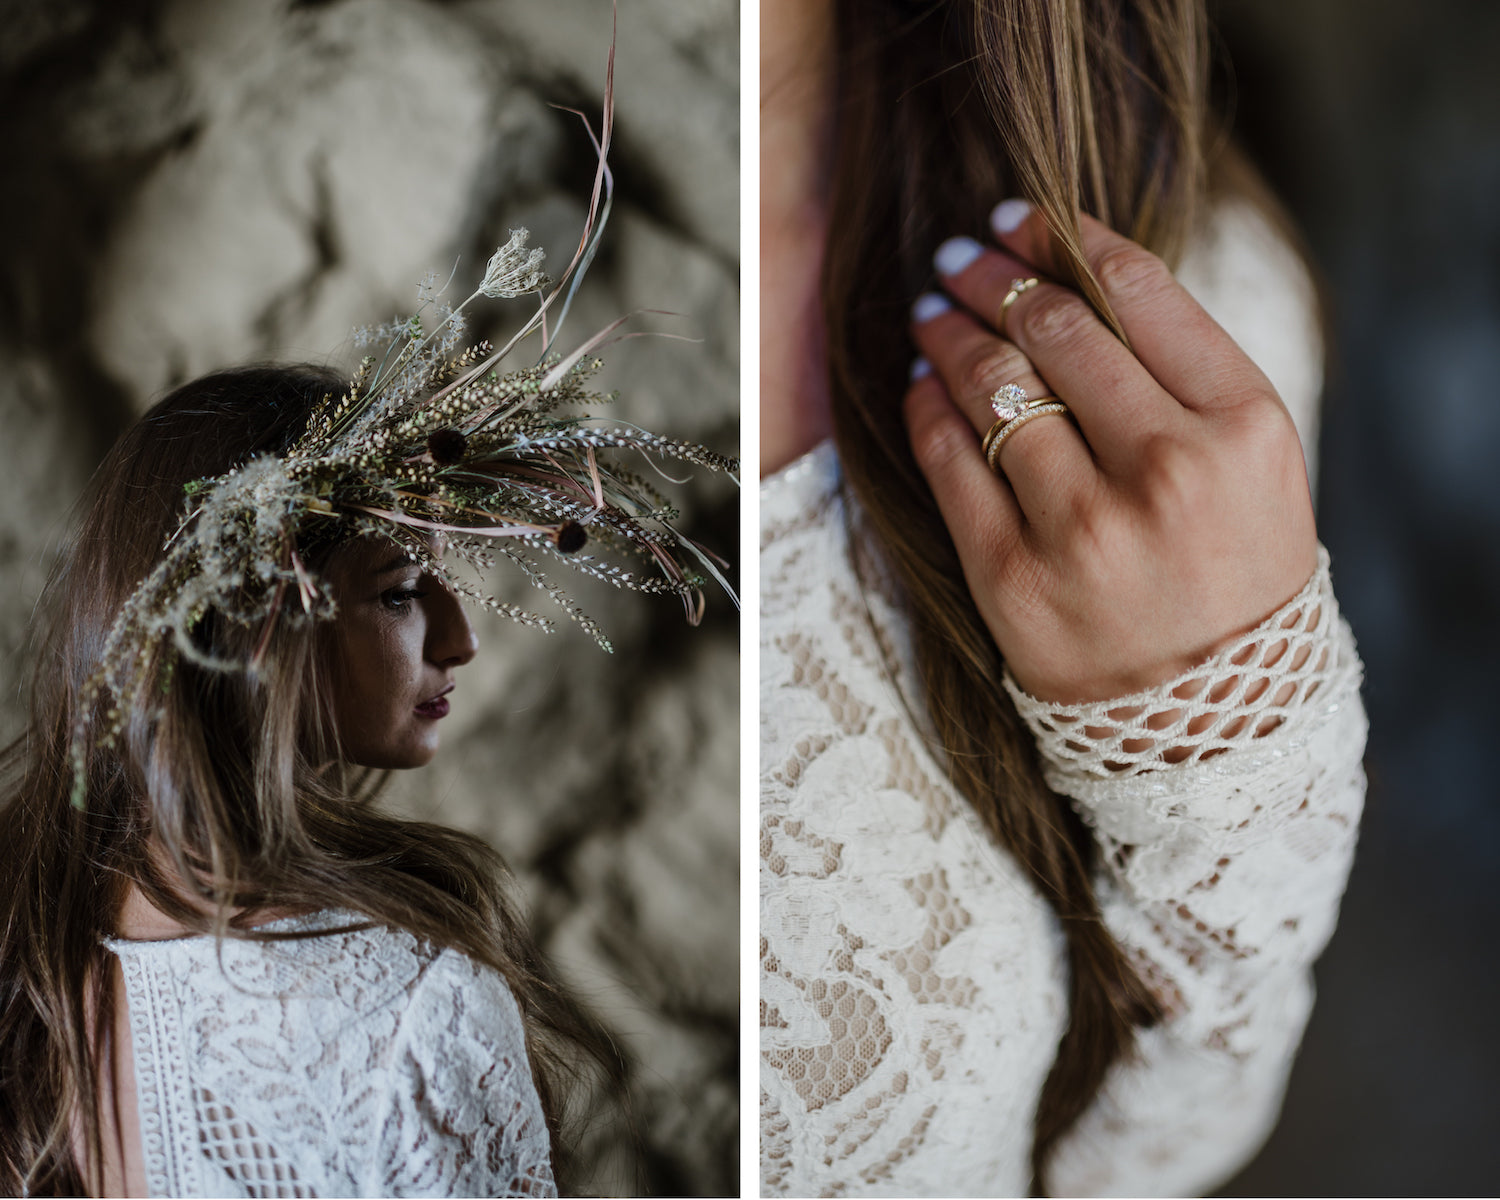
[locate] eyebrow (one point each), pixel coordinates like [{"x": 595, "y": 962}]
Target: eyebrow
[{"x": 399, "y": 563}]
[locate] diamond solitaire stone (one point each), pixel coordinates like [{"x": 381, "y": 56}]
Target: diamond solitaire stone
[{"x": 1009, "y": 402}]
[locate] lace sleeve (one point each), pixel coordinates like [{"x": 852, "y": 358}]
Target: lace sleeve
[
  {"x": 1226, "y": 805},
  {"x": 464, "y": 1117}
]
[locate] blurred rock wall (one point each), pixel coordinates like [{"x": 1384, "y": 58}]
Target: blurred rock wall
[{"x": 191, "y": 185}]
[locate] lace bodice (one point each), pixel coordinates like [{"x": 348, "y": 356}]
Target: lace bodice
[
  {"x": 914, "y": 984},
  {"x": 360, "y": 1063}
]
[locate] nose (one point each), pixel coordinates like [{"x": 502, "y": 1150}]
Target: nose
[{"x": 451, "y": 641}]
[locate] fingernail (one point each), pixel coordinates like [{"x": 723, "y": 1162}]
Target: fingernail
[
  {"x": 1008, "y": 215},
  {"x": 929, "y": 305},
  {"x": 920, "y": 369},
  {"x": 955, "y": 254}
]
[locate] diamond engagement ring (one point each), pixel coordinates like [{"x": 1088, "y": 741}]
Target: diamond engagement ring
[
  {"x": 1012, "y": 410},
  {"x": 1009, "y": 402},
  {"x": 1017, "y": 286}
]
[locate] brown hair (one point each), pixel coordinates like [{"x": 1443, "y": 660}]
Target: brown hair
[
  {"x": 225, "y": 789},
  {"x": 944, "y": 108}
]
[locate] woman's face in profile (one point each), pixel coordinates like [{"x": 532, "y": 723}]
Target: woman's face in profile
[{"x": 397, "y": 639}]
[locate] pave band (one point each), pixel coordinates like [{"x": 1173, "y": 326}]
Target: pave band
[{"x": 1001, "y": 430}]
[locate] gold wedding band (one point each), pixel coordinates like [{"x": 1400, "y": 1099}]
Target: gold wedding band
[
  {"x": 1001, "y": 430},
  {"x": 1017, "y": 286}
]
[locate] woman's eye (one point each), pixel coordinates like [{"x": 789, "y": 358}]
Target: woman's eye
[{"x": 400, "y": 599}]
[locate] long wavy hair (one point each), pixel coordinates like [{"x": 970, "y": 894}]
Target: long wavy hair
[
  {"x": 943, "y": 108},
  {"x": 232, "y": 792}
]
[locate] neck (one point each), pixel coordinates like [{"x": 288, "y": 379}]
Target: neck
[
  {"x": 139, "y": 920},
  {"x": 797, "y": 64}
]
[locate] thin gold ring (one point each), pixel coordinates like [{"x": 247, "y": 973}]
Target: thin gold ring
[
  {"x": 1000, "y": 433},
  {"x": 1017, "y": 286}
]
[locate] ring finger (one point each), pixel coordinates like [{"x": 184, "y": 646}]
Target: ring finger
[
  {"x": 1113, "y": 398},
  {"x": 1045, "y": 460}
]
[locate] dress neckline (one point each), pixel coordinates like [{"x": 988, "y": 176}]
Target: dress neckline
[{"x": 320, "y": 921}]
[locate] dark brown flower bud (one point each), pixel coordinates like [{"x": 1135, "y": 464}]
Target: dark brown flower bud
[
  {"x": 447, "y": 446},
  {"x": 570, "y": 537}
]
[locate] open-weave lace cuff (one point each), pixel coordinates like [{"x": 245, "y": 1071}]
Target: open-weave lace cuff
[{"x": 1289, "y": 673}]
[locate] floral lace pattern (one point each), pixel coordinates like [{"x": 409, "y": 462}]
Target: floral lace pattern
[
  {"x": 352, "y": 1063},
  {"x": 913, "y": 984}
]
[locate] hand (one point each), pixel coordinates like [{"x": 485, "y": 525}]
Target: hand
[{"x": 1113, "y": 554}]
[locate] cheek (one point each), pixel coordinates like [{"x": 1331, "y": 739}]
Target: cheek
[{"x": 375, "y": 676}]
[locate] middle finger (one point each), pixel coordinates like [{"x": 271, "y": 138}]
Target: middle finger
[{"x": 1113, "y": 397}]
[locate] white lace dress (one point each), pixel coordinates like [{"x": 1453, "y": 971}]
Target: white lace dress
[
  {"x": 346, "y": 1064},
  {"x": 913, "y": 982}
]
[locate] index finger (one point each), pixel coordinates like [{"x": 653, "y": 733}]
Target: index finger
[{"x": 1173, "y": 337}]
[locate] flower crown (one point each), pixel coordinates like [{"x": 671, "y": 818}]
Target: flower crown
[{"x": 424, "y": 442}]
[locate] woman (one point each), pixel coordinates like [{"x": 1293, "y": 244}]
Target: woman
[
  {"x": 1060, "y": 764},
  {"x": 231, "y": 813},
  {"x": 224, "y": 971}
]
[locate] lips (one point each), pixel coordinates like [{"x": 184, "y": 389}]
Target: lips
[{"x": 436, "y": 708}]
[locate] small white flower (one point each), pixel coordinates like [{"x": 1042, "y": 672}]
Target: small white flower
[{"x": 514, "y": 270}]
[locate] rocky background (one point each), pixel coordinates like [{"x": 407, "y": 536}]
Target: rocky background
[
  {"x": 1379, "y": 123},
  {"x": 193, "y": 184}
]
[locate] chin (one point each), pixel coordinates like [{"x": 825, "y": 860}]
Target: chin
[
  {"x": 393, "y": 758},
  {"x": 411, "y": 761}
]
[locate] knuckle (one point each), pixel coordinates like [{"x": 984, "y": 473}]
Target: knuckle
[
  {"x": 1082, "y": 525},
  {"x": 1023, "y": 579},
  {"x": 1054, "y": 316},
  {"x": 996, "y": 545},
  {"x": 1176, "y": 479},
  {"x": 989, "y": 367},
  {"x": 1129, "y": 271},
  {"x": 937, "y": 440},
  {"x": 1268, "y": 439},
  {"x": 1089, "y": 528},
  {"x": 1267, "y": 426}
]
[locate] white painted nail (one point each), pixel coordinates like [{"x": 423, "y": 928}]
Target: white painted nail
[
  {"x": 920, "y": 369},
  {"x": 929, "y": 305},
  {"x": 1008, "y": 215},
  {"x": 955, "y": 254}
]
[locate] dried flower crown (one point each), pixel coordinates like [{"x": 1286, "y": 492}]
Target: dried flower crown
[{"x": 423, "y": 442}]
